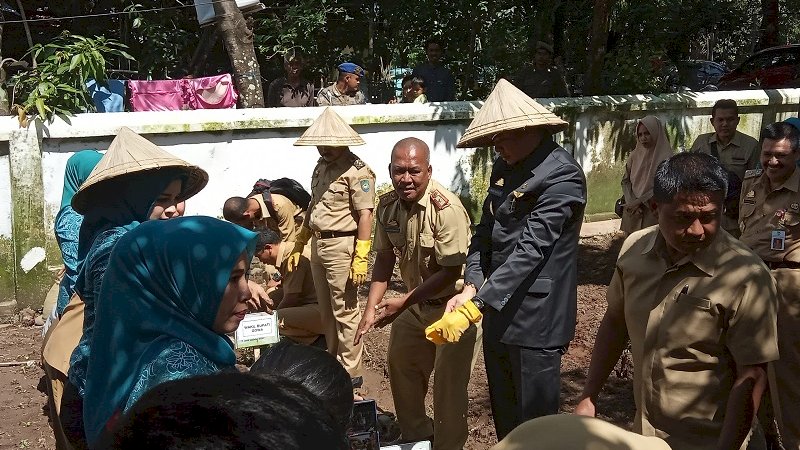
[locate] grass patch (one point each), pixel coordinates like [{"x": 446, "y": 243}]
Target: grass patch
[{"x": 603, "y": 188}]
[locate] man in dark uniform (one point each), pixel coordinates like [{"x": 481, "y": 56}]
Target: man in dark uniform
[
  {"x": 542, "y": 79},
  {"x": 521, "y": 265}
]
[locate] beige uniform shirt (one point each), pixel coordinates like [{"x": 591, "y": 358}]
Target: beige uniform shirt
[
  {"x": 330, "y": 96},
  {"x": 431, "y": 233},
  {"x": 761, "y": 212},
  {"x": 287, "y": 220},
  {"x": 690, "y": 324},
  {"x": 339, "y": 190},
  {"x": 298, "y": 281},
  {"x": 741, "y": 154}
]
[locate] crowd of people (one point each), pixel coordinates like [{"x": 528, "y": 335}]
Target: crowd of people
[
  {"x": 431, "y": 81},
  {"x": 137, "y": 351}
]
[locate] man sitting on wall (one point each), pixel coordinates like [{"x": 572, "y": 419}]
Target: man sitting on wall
[{"x": 345, "y": 91}]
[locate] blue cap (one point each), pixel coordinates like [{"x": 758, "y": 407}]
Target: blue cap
[
  {"x": 353, "y": 68},
  {"x": 793, "y": 121}
]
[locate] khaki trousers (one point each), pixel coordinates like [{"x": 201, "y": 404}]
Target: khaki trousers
[
  {"x": 302, "y": 323},
  {"x": 787, "y": 368},
  {"x": 412, "y": 358},
  {"x": 57, "y": 347},
  {"x": 336, "y": 295}
]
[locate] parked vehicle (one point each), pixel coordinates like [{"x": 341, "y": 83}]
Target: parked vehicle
[
  {"x": 771, "y": 68},
  {"x": 693, "y": 75}
]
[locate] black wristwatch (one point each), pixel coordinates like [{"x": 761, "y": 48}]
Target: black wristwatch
[{"x": 480, "y": 304}]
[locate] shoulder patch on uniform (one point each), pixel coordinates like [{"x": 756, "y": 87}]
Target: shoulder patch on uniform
[
  {"x": 358, "y": 164},
  {"x": 752, "y": 173},
  {"x": 439, "y": 200},
  {"x": 387, "y": 197}
]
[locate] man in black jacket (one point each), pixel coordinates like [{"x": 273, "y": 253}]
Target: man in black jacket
[{"x": 521, "y": 266}]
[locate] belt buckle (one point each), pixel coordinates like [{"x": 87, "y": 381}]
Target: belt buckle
[{"x": 317, "y": 234}]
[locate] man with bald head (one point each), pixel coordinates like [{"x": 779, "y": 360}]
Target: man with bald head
[
  {"x": 281, "y": 214},
  {"x": 427, "y": 228}
]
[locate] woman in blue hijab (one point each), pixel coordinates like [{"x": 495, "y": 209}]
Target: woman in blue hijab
[
  {"x": 133, "y": 182},
  {"x": 171, "y": 292},
  {"x": 68, "y": 222}
]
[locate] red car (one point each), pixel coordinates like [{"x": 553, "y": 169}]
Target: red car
[{"x": 771, "y": 68}]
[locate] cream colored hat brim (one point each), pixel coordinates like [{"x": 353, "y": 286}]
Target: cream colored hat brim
[
  {"x": 507, "y": 108},
  {"x": 330, "y": 130},
  {"x": 130, "y": 153}
]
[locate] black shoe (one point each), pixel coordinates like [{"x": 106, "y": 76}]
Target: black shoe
[{"x": 357, "y": 382}]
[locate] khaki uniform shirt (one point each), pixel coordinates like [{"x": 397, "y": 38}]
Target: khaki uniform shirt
[
  {"x": 339, "y": 190},
  {"x": 287, "y": 220},
  {"x": 298, "y": 281},
  {"x": 430, "y": 234},
  {"x": 690, "y": 323},
  {"x": 330, "y": 96},
  {"x": 762, "y": 211},
  {"x": 742, "y": 152}
]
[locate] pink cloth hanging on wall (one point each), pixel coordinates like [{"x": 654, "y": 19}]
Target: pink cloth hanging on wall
[{"x": 215, "y": 92}]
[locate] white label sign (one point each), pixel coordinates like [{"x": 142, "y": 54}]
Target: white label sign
[{"x": 257, "y": 329}]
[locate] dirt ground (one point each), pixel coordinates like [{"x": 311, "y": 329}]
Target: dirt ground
[{"x": 23, "y": 407}]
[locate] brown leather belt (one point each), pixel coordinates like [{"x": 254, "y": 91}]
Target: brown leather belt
[
  {"x": 782, "y": 265},
  {"x": 334, "y": 234}
]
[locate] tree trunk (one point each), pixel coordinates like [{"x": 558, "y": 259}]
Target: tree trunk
[
  {"x": 593, "y": 83},
  {"x": 208, "y": 39},
  {"x": 544, "y": 22},
  {"x": 4, "y": 106},
  {"x": 238, "y": 40},
  {"x": 769, "y": 24}
]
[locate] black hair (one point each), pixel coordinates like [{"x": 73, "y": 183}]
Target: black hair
[
  {"x": 414, "y": 79},
  {"x": 234, "y": 209},
  {"x": 315, "y": 369},
  {"x": 266, "y": 236},
  {"x": 725, "y": 103},
  {"x": 689, "y": 172},
  {"x": 781, "y": 130},
  {"x": 227, "y": 411},
  {"x": 434, "y": 41}
]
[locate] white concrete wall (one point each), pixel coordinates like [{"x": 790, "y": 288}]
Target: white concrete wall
[
  {"x": 237, "y": 147},
  {"x": 234, "y": 161},
  {"x": 5, "y": 198}
]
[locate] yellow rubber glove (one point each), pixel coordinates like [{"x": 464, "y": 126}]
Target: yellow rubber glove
[
  {"x": 358, "y": 269},
  {"x": 299, "y": 244},
  {"x": 453, "y": 324}
]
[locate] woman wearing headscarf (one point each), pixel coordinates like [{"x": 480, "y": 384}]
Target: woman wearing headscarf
[
  {"x": 68, "y": 222},
  {"x": 135, "y": 181},
  {"x": 171, "y": 292},
  {"x": 652, "y": 147}
]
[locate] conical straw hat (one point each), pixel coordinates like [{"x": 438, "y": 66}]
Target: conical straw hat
[
  {"x": 330, "y": 130},
  {"x": 130, "y": 153},
  {"x": 507, "y": 108}
]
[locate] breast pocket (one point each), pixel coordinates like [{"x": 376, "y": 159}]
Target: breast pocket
[
  {"x": 692, "y": 322},
  {"x": 337, "y": 195}
]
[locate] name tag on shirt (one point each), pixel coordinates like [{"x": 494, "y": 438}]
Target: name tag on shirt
[
  {"x": 778, "y": 240},
  {"x": 257, "y": 329}
]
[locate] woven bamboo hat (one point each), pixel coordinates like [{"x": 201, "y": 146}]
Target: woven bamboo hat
[
  {"x": 330, "y": 130},
  {"x": 507, "y": 108},
  {"x": 130, "y": 153}
]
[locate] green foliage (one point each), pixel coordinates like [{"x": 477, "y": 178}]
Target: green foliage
[
  {"x": 163, "y": 42},
  {"x": 301, "y": 25},
  {"x": 57, "y": 85}
]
